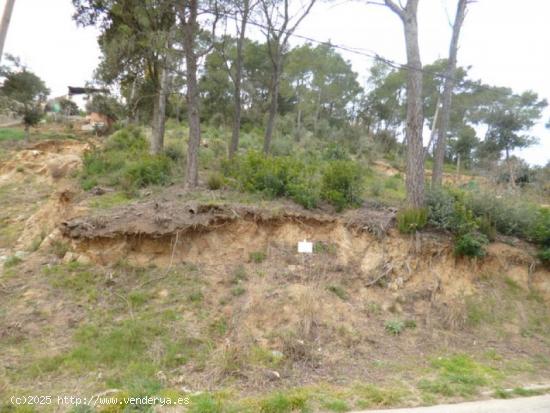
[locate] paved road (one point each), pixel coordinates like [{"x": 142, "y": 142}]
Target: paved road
[{"x": 536, "y": 404}]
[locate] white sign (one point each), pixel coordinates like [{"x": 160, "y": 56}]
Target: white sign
[{"x": 305, "y": 247}]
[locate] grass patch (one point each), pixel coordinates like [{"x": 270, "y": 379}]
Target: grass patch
[
  {"x": 110, "y": 200},
  {"x": 458, "y": 375},
  {"x": 125, "y": 163},
  {"x": 369, "y": 395},
  {"x": 284, "y": 403}
]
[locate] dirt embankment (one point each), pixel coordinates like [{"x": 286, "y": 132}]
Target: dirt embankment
[{"x": 363, "y": 244}]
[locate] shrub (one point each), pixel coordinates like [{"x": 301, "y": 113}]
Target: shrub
[
  {"x": 510, "y": 216},
  {"x": 471, "y": 244},
  {"x": 544, "y": 255},
  {"x": 341, "y": 184},
  {"x": 128, "y": 139},
  {"x": 394, "y": 327},
  {"x": 215, "y": 181},
  {"x": 411, "y": 220},
  {"x": 125, "y": 162},
  {"x": 335, "y": 152},
  {"x": 276, "y": 177},
  {"x": 149, "y": 170}
]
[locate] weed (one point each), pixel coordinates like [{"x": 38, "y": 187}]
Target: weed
[
  {"x": 336, "y": 405},
  {"x": 341, "y": 184},
  {"x": 338, "y": 291},
  {"x": 12, "y": 261},
  {"x": 238, "y": 291},
  {"x": 321, "y": 247},
  {"x": 59, "y": 248},
  {"x": 284, "y": 403},
  {"x": 215, "y": 181},
  {"x": 411, "y": 220},
  {"x": 257, "y": 257},
  {"x": 374, "y": 396},
  {"x": 195, "y": 296},
  {"x": 394, "y": 327}
]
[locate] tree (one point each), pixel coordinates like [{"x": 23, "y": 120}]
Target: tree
[
  {"x": 4, "y": 25},
  {"x": 243, "y": 9},
  {"x": 26, "y": 88},
  {"x": 415, "y": 116},
  {"x": 136, "y": 39},
  {"x": 441, "y": 142},
  {"x": 280, "y": 25},
  {"x": 188, "y": 13}
]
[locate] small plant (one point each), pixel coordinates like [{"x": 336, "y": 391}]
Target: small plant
[
  {"x": 411, "y": 324},
  {"x": 12, "y": 261},
  {"x": 282, "y": 403},
  {"x": 321, "y": 247},
  {"x": 471, "y": 244},
  {"x": 257, "y": 257},
  {"x": 376, "y": 188},
  {"x": 411, "y": 220},
  {"x": 394, "y": 327},
  {"x": 215, "y": 181},
  {"x": 195, "y": 296},
  {"x": 238, "y": 291},
  {"x": 59, "y": 248},
  {"x": 338, "y": 291}
]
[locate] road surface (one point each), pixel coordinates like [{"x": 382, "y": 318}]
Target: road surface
[{"x": 536, "y": 404}]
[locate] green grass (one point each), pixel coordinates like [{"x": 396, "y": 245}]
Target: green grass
[
  {"x": 11, "y": 134},
  {"x": 284, "y": 403},
  {"x": 458, "y": 375},
  {"x": 110, "y": 200},
  {"x": 370, "y": 396}
]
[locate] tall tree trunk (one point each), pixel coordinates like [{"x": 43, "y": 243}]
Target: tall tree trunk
[
  {"x": 415, "y": 115},
  {"x": 441, "y": 143},
  {"x": 159, "y": 112},
  {"x": 5, "y": 24},
  {"x": 235, "y": 134},
  {"x": 273, "y": 106},
  {"x": 193, "y": 115}
]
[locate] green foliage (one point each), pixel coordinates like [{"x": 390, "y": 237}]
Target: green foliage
[
  {"x": 471, "y": 244},
  {"x": 411, "y": 220},
  {"x": 544, "y": 255},
  {"x": 338, "y": 291},
  {"x": 12, "y": 261},
  {"x": 125, "y": 163},
  {"x": 283, "y": 403},
  {"x": 32, "y": 116},
  {"x": 458, "y": 376},
  {"x": 275, "y": 177},
  {"x": 215, "y": 181},
  {"x": 341, "y": 184},
  {"x": 257, "y": 257},
  {"x": 150, "y": 170},
  {"x": 394, "y": 327}
]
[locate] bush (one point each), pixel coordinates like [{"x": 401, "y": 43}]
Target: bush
[
  {"x": 276, "y": 177},
  {"x": 471, "y": 244},
  {"x": 125, "y": 162},
  {"x": 544, "y": 255},
  {"x": 411, "y": 220},
  {"x": 128, "y": 139},
  {"x": 215, "y": 181},
  {"x": 341, "y": 184},
  {"x": 149, "y": 170}
]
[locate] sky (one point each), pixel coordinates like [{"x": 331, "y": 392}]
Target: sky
[{"x": 504, "y": 41}]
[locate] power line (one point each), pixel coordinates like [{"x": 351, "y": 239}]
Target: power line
[{"x": 371, "y": 54}]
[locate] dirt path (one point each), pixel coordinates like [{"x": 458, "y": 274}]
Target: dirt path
[{"x": 537, "y": 404}]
